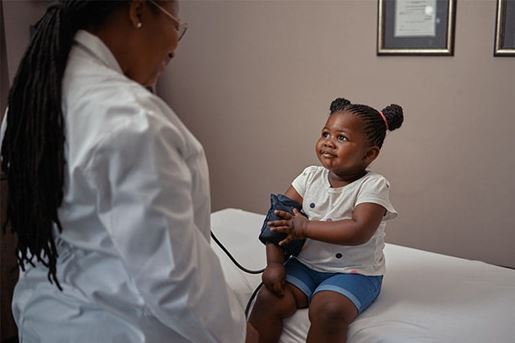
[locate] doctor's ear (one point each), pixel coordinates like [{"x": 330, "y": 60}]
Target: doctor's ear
[{"x": 136, "y": 13}]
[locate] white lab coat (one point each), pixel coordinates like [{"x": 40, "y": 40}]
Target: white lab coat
[{"x": 135, "y": 261}]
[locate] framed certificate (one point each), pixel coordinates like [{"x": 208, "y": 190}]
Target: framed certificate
[
  {"x": 505, "y": 28},
  {"x": 416, "y": 27}
]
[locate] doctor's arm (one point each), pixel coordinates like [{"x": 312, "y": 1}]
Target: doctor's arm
[{"x": 145, "y": 203}]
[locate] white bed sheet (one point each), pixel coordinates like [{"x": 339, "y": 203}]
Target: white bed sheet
[{"x": 426, "y": 297}]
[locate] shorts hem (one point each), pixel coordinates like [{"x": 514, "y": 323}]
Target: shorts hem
[
  {"x": 300, "y": 285},
  {"x": 343, "y": 292}
]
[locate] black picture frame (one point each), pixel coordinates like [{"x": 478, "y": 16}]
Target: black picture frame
[
  {"x": 402, "y": 29},
  {"x": 505, "y": 28}
]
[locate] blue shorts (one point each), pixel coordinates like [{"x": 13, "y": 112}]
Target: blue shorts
[{"x": 362, "y": 290}]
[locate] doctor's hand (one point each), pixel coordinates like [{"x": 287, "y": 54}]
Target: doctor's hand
[
  {"x": 294, "y": 225},
  {"x": 274, "y": 278}
]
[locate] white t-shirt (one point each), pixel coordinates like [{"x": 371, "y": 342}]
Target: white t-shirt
[{"x": 323, "y": 203}]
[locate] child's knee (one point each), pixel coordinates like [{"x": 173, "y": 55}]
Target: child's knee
[{"x": 331, "y": 313}]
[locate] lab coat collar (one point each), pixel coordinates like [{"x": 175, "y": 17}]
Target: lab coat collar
[{"x": 98, "y": 49}]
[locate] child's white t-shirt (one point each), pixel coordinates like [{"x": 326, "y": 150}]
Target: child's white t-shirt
[{"x": 324, "y": 203}]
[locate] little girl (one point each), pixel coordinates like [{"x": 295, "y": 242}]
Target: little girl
[{"x": 339, "y": 271}]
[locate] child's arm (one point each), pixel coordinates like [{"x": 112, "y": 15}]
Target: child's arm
[
  {"x": 274, "y": 276},
  {"x": 365, "y": 220},
  {"x": 274, "y": 254},
  {"x": 293, "y": 194}
]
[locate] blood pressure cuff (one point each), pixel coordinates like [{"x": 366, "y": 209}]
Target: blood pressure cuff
[{"x": 284, "y": 203}]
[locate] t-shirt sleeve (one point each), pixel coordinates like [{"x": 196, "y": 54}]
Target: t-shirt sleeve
[
  {"x": 376, "y": 189},
  {"x": 300, "y": 182}
]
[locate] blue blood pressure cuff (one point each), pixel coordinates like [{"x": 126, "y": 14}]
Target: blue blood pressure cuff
[{"x": 283, "y": 203}]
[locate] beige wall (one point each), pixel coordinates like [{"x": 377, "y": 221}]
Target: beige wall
[
  {"x": 19, "y": 15},
  {"x": 254, "y": 79}
]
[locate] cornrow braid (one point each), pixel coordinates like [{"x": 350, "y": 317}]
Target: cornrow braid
[
  {"x": 376, "y": 123},
  {"x": 338, "y": 105},
  {"x": 33, "y": 147}
]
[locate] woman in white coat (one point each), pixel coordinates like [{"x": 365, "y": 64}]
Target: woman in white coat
[{"x": 108, "y": 190}]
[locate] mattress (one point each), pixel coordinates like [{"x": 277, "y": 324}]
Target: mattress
[{"x": 426, "y": 297}]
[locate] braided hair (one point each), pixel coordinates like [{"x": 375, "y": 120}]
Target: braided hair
[
  {"x": 33, "y": 147},
  {"x": 376, "y": 123}
]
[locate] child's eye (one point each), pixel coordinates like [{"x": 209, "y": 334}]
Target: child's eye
[
  {"x": 325, "y": 134},
  {"x": 342, "y": 138}
]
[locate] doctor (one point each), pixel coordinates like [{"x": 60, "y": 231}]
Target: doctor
[{"x": 109, "y": 193}]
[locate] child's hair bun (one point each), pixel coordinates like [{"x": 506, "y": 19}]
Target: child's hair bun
[
  {"x": 339, "y": 105},
  {"x": 394, "y": 116}
]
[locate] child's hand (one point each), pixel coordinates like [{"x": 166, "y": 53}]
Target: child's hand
[
  {"x": 294, "y": 225},
  {"x": 274, "y": 278}
]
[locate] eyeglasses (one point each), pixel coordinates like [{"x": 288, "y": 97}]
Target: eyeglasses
[{"x": 180, "y": 27}]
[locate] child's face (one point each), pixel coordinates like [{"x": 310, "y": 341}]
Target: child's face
[{"x": 343, "y": 147}]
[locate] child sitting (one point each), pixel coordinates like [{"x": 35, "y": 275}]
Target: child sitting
[{"x": 339, "y": 271}]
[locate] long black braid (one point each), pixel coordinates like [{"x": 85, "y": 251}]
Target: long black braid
[
  {"x": 375, "y": 125},
  {"x": 34, "y": 144}
]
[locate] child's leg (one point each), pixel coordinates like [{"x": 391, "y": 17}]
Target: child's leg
[
  {"x": 269, "y": 311},
  {"x": 337, "y": 301},
  {"x": 330, "y": 314}
]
